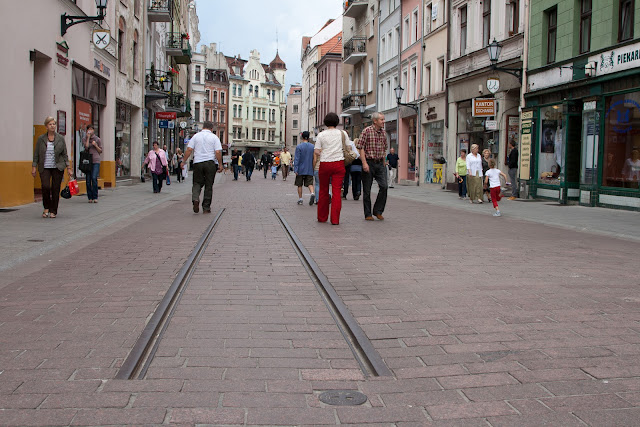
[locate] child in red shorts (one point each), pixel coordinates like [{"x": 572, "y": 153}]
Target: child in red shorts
[{"x": 492, "y": 177}]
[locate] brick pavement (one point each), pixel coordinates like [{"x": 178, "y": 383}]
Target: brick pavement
[{"x": 483, "y": 321}]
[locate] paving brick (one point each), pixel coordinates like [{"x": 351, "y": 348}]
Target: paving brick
[
  {"x": 360, "y": 415},
  {"x": 580, "y": 403},
  {"x": 477, "y": 380},
  {"x": 507, "y": 392},
  {"x": 208, "y": 416},
  {"x": 94, "y": 417},
  {"x": 290, "y": 416},
  {"x": 36, "y": 417},
  {"x": 264, "y": 400},
  {"x": 469, "y": 410},
  {"x": 425, "y": 398},
  {"x": 87, "y": 400},
  {"x": 548, "y": 419},
  {"x": 430, "y": 371},
  {"x": 543, "y": 375},
  {"x": 610, "y": 418}
]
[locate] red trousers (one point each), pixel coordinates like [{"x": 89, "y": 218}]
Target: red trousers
[
  {"x": 495, "y": 196},
  {"x": 330, "y": 172}
]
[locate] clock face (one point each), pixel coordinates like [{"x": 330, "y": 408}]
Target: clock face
[
  {"x": 101, "y": 38},
  {"x": 493, "y": 84}
]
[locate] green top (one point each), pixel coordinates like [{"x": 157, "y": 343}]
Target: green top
[{"x": 461, "y": 167}]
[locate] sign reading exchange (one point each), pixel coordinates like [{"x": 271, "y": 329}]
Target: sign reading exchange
[{"x": 484, "y": 107}]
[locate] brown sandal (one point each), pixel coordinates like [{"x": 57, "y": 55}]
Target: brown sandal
[
  {"x": 45, "y": 214},
  {"x": 52, "y": 215}
]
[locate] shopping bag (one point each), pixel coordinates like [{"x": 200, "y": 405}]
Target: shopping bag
[
  {"x": 168, "y": 179},
  {"x": 73, "y": 187}
]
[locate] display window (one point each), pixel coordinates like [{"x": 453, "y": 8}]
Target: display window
[
  {"x": 123, "y": 140},
  {"x": 433, "y": 149},
  {"x": 550, "y": 155},
  {"x": 622, "y": 141},
  {"x": 471, "y": 130}
]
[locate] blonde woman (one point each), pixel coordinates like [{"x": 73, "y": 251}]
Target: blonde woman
[
  {"x": 474, "y": 174},
  {"x": 50, "y": 159}
]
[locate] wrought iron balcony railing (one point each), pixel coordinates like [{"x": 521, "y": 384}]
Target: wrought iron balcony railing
[
  {"x": 353, "y": 100},
  {"x": 159, "y": 10}
]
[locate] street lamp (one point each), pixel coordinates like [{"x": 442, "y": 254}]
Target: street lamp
[
  {"x": 67, "y": 21},
  {"x": 399, "y": 90},
  {"x": 166, "y": 83},
  {"x": 493, "y": 49}
]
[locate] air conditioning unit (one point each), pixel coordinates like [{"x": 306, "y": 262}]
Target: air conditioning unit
[{"x": 590, "y": 68}]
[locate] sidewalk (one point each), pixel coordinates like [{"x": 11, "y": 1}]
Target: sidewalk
[{"x": 603, "y": 221}]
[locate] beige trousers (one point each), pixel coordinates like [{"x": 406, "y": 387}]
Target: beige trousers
[{"x": 474, "y": 186}]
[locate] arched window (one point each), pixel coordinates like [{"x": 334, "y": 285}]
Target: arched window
[
  {"x": 256, "y": 95},
  {"x": 122, "y": 27},
  {"x": 250, "y": 89},
  {"x": 221, "y": 97},
  {"x": 233, "y": 89},
  {"x": 235, "y": 110}
]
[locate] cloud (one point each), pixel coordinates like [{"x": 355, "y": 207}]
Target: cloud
[{"x": 239, "y": 28}]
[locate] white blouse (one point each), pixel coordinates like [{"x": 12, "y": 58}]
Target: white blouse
[
  {"x": 330, "y": 142},
  {"x": 474, "y": 164}
]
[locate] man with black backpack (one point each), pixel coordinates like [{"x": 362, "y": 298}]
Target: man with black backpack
[{"x": 249, "y": 162}]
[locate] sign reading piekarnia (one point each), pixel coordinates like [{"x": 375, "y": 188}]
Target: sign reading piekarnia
[{"x": 484, "y": 107}]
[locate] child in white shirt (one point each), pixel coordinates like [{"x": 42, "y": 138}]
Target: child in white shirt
[{"x": 492, "y": 177}]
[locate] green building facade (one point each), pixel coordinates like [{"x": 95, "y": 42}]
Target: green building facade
[{"x": 581, "y": 121}]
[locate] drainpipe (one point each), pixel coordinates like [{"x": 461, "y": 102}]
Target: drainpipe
[
  {"x": 446, "y": 97},
  {"x": 524, "y": 192}
]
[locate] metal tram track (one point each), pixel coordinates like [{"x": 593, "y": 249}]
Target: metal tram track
[
  {"x": 139, "y": 359},
  {"x": 370, "y": 361}
]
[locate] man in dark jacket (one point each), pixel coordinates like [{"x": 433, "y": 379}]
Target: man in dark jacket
[
  {"x": 266, "y": 163},
  {"x": 249, "y": 162},
  {"x": 512, "y": 162}
]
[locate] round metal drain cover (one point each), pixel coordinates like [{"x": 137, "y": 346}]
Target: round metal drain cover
[{"x": 343, "y": 398}]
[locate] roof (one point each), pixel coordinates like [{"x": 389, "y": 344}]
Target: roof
[
  {"x": 333, "y": 45},
  {"x": 293, "y": 89},
  {"x": 277, "y": 63}
]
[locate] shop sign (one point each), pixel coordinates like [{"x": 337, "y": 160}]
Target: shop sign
[
  {"x": 491, "y": 124},
  {"x": 589, "y": 106},
  {"x": 620, "y": 59},
  {"x": 484, "y": 107},
  {"x": 526, "y": 115},
  {"x": 166, "y": 124},
  {"x": 493, "y": 84},
  {"x": 101, "y": 38},
  {"x": 166, "y": 115},
  {"x": 525, "y": 150},
  {"x": 99, "y": 65}
]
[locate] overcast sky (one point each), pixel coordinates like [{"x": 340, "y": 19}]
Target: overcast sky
[{"x": 239, "y": 27}]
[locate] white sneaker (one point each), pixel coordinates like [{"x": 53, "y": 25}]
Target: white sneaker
[
  {"x": 497, "y": 213},
  {"x": 300, "y": 202}
]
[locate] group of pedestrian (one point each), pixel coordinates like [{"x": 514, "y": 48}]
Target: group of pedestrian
[{"x": 479, "y": 175}]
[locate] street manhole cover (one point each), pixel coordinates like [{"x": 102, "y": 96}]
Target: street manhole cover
[{"x": 343, "y": 398}]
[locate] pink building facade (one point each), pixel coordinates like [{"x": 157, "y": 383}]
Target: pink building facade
[
  {"x": 410, "y": 80},
  {"x": 329, "y": 93}
]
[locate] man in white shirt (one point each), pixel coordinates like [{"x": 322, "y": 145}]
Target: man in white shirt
[{"x": 207, "y": 159}]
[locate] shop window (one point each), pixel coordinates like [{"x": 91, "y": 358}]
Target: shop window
[
  {"x": 585, "y": 26},
  {"x": 621, "y": 147},
  {"x": 434, "y": 150},
  {"x": 551, "y": 17},
  {"x": 626, "y": 20},
  {"x": 551, "y": 152}
]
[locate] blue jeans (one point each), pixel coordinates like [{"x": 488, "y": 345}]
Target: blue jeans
[
  {"x": 316, "y": 183},
  {"x": 248, "y": 172},
  {"x": 462, "y": 186},
  {"x": 92, "y": 182},
  {"x": 236, "y": 171}
]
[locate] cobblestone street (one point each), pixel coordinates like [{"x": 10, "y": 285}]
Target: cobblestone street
[{"x": 482, "y": 321}]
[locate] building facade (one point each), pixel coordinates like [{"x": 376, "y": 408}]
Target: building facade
[
  {"x": 329, "y": 72},
  {"x": 257, "y": 103},
  {"x": 294, "y": 101},
  {"x": 215, "y": 103},
  {"x": 198, "y": 96},
  {"x": 387, "y": 71},
  {"x": 582, "y": 117},
  {"x": 360, "y": 64},
  {"x": 66, "y": 77}
]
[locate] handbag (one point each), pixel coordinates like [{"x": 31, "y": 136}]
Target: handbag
[
  {"x": 349, "y": 155},
  {"x": 65, "y": 193},
  {"x": 86, "y": 161},
  {"x": 73, "y": 187}
]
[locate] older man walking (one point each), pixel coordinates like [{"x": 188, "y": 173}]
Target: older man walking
[
  {"x": 207, "y": 159},
  {"x": 373, "y": 147}
]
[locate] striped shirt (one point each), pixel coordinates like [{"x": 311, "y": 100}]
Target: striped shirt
[
  {"x": 374, "y": 143},
  {"x": 49, "y": 156}
]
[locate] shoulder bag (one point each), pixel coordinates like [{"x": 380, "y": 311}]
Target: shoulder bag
[{"x": 349, "y": 155}]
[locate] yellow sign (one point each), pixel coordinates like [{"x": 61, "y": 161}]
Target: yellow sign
[{"x": 526, "y": 115}]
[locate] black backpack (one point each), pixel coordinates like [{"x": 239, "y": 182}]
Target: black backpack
[{"x": 86, "y": 162}]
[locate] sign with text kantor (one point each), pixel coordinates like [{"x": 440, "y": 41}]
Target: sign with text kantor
[{"x": 484, "y": 107}]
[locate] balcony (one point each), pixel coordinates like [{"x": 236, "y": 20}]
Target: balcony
[
  {"x": 159, "y": 11},
  {"x": 175, "y": 102},
  {"x": 154, "y": 85},
  {"x": 355, "y": 8},
  {"x": 355, "y": 50},
  {"x": 351, "y": 102},
  {"x": 179, "y": 48}
]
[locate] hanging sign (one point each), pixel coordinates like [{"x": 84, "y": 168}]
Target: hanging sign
[
  {"x": 493, "y": 84},
  {"x": 166, "y": 115},
  {"x": 484, "y": 107},
  {"x": 101, "y": 38}
]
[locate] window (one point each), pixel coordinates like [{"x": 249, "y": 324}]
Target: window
[
  {"x": 273, "y": 95},
  {"x": 625, "y": 20},
  {"x": 463, "y": 30},
  {"x": 405, "y": 82},
  {"x": 396, "y": 41},
  {"x": 350, "y": 82},
  {"x": 295, "y": 109},
  {"x": 121, "y": 33},
  {"x": 295, "y": 140},
  {"x": 383, "y": 49},
  {"x": 441, "y": 68},
  {"x": 135, "y": 55},
  {"x": 253, "y": 133},
  {"x": 552, "y": 25},
  {"x": 198, "y": 73},
  {"x": 427, "y": 79},
  {"x": 486, "y": 22},
  {"x": 136, "y": 7},
  {"x": 256, "y": 91},
  {"x": 427, "y": 18},
  {"x": 414, "y": 82},
  {"x": 513, "y": 17},
  {"x": 295, "y": 124},
  {"x": 206, "y": 114},
  {"x": 239, "y": 90},
  {"x": 214, "y": 116},
  {"x": 405, "y": 33},
  {"x": 415, "y": 33},
  {"x": 254, "y": 113},
  {"x": 264, "y": 113},
  {"x": 215, "y": 96},
  {"x": 222, "y": 98},
  {"x": 373, "y": 21},
  {"x": 196, "y": 112},
  {"x": 235, "y": 111},
  {"x": 370, "y": 76},
  {"x": 222, "y": 114},
  {"x": 250, "y": 89},
  {"x": 233, "y": 90},
  {"x": 207, "y": 95},
  {"x": 222, "y": 135},
  {"x": 585, "y": 26}
]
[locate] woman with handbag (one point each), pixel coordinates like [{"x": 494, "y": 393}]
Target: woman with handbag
[
  {"x": 330, "y": 148},
  {"x": 157, "y": 161},
  {"x": 50, "y": 159}
]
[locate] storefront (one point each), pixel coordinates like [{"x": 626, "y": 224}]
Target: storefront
[
  {"x": 123, "y": 140},
  {"x": 586, "y": 147},
  {"x": 432, "y": 147}
]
